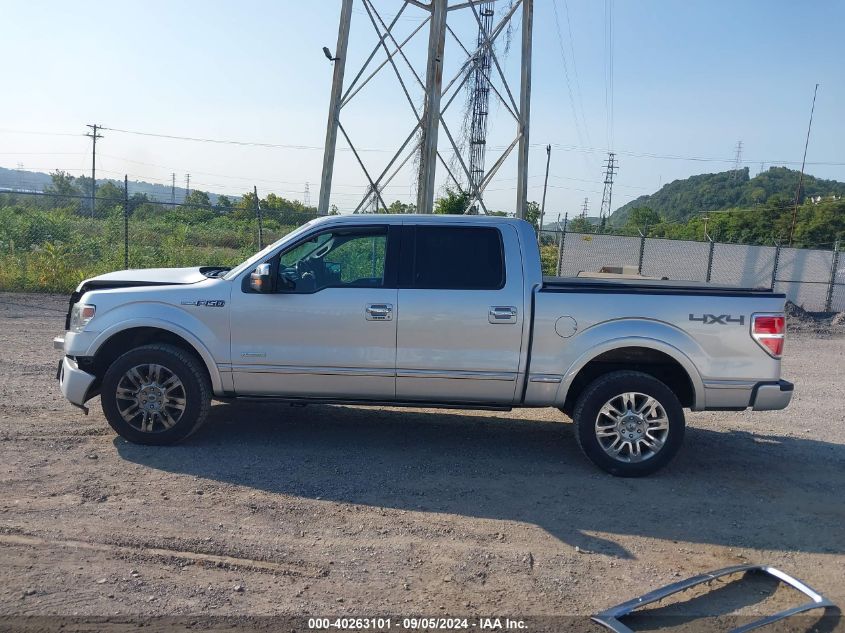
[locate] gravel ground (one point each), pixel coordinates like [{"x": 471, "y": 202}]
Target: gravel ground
[{"x": 273, "y": 510}]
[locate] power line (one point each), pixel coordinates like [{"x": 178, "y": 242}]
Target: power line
[
  {"x": 7, "y": 131},
  {"x": 608, "y": 70},
  {"x": 575, "y": 70},
  {"x": 801, "y": 177},
  {"x": 536, "y": 146},
  {"x": 228, "y": 141},
  {"x": 565, "y": 66}
]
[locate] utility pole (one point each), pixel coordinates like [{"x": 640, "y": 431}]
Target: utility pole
[
  {"x": 545, "y": 185},
  {"x": 607, "y": 195},
  {"x": 93, "y": 135},
  {"x": 173, "y": 188},
  {"x": 803, "y": 163},
  {"x": 260, "y": 221},
  {"x": 125, "y": 221}
]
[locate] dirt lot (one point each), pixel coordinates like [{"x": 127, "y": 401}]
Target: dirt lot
[{"x": 324, "y": 510}]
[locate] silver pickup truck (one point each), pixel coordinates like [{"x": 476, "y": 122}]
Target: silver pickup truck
[{"x": 422, "y": 311}]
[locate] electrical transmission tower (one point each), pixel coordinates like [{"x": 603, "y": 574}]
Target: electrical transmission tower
[
  {"x": 187, "y": 185},
  {"x": 173, "y": 188},
  {"x": 737, "y": 160},
  {"x": 438, "y": 94},
  {"x": 306, "y": 195},
  {"x": 610, "y": 170},
  {"x": 480, "y": 101},
  {"x": 584, "y": 208}
]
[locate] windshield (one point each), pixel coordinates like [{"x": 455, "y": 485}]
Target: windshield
[{"x": 255, "y": 259}]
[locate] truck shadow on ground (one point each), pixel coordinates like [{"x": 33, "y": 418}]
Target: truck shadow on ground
[{"x": 727, "y": 488}]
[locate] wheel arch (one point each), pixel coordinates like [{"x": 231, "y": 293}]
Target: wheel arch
[
  {"x": 651, "y": 356},
  {"x": 111, "y": 343}
]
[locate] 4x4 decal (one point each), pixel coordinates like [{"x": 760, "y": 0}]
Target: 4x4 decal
[{"x": 722, "y": 319}]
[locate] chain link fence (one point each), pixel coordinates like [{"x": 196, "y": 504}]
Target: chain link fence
[
  {"x": 52, "y": 241},
  {"x": 811, "y": 278}
]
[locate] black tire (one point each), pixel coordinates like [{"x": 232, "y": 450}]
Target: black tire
[
  {"x": 602, "y": 391},
  {"x": 195, "y": 391}
]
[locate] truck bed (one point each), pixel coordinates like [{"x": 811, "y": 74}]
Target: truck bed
[{"x": 648, "y": 286}]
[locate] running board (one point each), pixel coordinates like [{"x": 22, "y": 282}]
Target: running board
[{"x": 369, "y": 403}]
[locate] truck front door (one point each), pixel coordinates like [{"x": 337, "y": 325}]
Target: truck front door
[{"x": 330, "y": 328}]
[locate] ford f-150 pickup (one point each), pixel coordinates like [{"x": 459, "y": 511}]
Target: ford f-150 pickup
[{"x": 427, "y": 311}]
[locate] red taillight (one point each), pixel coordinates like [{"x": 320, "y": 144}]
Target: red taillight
[{"x": 768, "y": 330}]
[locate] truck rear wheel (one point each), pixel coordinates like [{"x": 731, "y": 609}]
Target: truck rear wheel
[
  {"x": 156, "y": 394},
  {"x": 629, "y": 423}
]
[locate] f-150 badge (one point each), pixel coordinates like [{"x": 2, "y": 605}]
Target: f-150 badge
[
  {"x": 722, "y": 319},
  {"x": 211, "y": 303}
]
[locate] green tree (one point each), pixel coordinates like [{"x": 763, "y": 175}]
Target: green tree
[
  {"x": 197, "y": 199},
  {"x": 224, "y": 202},
  {"x": 109, "y": 196},
  {"x": 532, "y": 215},
  {"x": 63, "y": 184},
  {"x": 642, "y": 217},
  {"x": 398, "y": 206},
  {"x": 453, "y": 203},
  {"x": 581, "y": 225}
]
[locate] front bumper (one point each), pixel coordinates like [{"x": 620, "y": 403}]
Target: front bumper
[
  {"x": 74, "y": 383},
  {"x": 769, "y": 396}
]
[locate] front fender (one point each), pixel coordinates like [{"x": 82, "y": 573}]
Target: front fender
[
  {"x": 612, "y": 335},
  {"x": 173, "y": 320}
]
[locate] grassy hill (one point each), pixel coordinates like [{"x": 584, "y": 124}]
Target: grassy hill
[{"x": 682, "y": 199}]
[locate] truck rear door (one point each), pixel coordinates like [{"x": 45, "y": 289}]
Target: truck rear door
[{"x": 459, "y": 329}]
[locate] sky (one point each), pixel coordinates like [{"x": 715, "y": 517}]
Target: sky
[{"x": 662, "y": 83}]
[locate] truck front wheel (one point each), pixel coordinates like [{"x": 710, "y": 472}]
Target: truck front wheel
[
  {"x": 156, "y": 394},
  {"x": 629, "y": 423}
]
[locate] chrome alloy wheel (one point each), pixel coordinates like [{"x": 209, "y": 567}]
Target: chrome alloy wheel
[
  {"x": 150, "y": 398},
  {"x": 632, "y": 427}
]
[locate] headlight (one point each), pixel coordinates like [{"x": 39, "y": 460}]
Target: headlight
[{"x": 80, "y": 315}]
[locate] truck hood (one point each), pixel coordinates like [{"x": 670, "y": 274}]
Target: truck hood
[
  {"x": 151, "y": 277},
  {"x": 143, "y": 277}
]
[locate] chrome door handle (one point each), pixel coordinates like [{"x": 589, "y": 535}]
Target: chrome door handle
[
  {"x": 379, "y": 312},
  {"x": 502, "y": 314}
]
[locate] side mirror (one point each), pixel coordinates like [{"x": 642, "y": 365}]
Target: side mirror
[{"x": 259, "y": 279}]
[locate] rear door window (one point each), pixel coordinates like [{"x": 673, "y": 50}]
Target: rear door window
[{"x": 455, "y": 258}]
